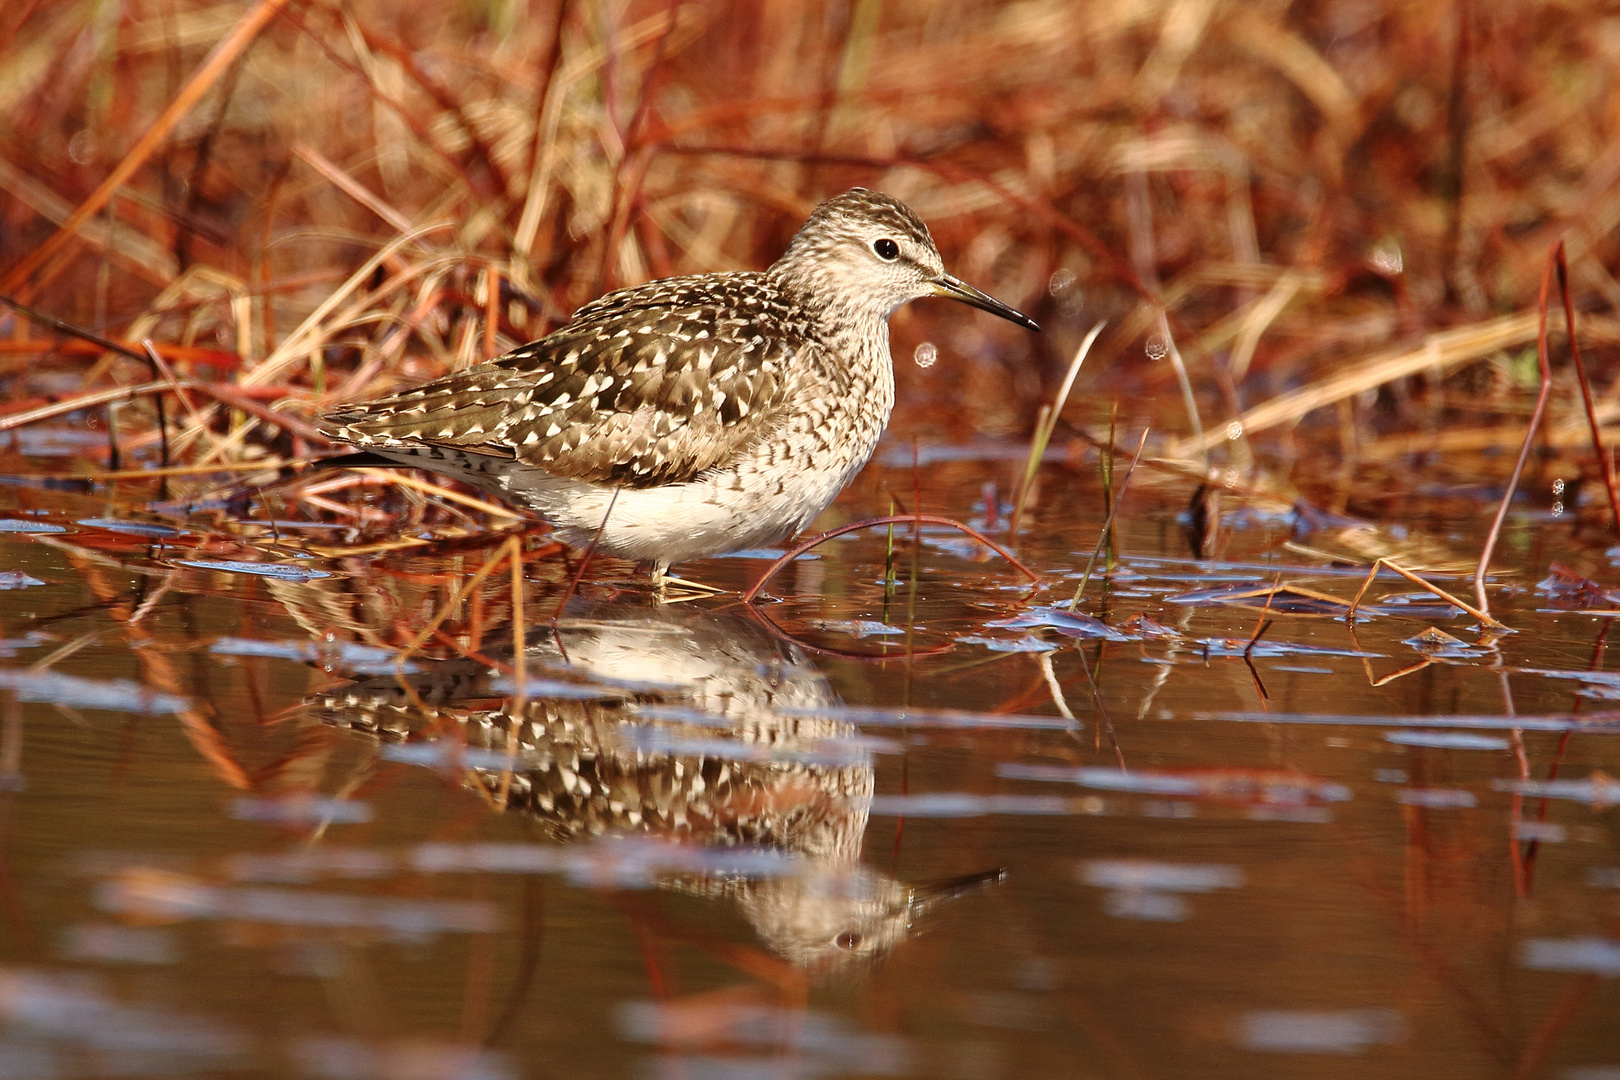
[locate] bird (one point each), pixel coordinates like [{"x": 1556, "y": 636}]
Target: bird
[{"x": 688, "y": 416}]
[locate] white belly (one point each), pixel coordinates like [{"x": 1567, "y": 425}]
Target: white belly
[{"x": 755, "y": 504}]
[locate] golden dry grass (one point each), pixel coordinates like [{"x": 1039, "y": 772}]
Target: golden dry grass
[{"x": 306, "y": 201}]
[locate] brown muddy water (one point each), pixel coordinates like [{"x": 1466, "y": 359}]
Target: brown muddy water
[{"x": 929, "y": 828}]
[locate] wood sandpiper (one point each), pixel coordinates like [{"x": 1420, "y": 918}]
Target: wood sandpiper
[{"x": 690, "y": 416}]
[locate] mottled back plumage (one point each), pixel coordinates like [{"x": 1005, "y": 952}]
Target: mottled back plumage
[
  {"x": 644, "y": 386},
  {"x": 693, "y": 415}
]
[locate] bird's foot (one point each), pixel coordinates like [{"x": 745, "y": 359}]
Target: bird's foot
[{"x": 670, "y": 589}]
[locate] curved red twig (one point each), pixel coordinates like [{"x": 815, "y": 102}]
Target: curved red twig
[{"x": 891, "y": 519}]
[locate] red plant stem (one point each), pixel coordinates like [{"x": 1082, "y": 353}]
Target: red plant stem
[
  {"x": 1604, "y": 464},
  {"x": 892, "y": 519}
]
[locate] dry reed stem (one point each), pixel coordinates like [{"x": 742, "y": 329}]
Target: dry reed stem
[
  {"x": 1189, "y": 400},
  {"x": 1439, "y": 351},
  {"x": 353, "y": 188},
  {"x": 1483, "y": 616},
  {"x": 266, "y": 465},
  {"x": 508, "y": 548},
  {"x": 1259, "y": 318},
  {"x": 1545, "y": 366}
]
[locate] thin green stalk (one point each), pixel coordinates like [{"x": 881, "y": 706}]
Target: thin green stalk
[
  {"x": 1106, "y": 465},
  {"x": 889, "y": 583},
  {"x": 1124, "y": 482}
]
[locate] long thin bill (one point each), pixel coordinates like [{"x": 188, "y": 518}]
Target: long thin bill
[
  {"x": 957, "y": 289},
  {"x": 928, "y": 896}
]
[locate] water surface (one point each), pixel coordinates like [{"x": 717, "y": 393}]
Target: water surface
[{"x": 904, "y": 817}]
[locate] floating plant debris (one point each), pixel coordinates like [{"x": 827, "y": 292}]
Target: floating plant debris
[
  {"x": 858, "y": 628},
  {"x": 1010, "y": 645},
  {"x": 831, "y": 752},
  {"x": 279, "y": 571},
  {"x": 1567, "y": 589},
  {"x": 1165, "y": 877},
  {"x": 1149, "y": 891},
  {"x": 349, "y": 655},
  {"x": 1437, "y": 798},
  {"x": 1069, "y": 624},
  {"x": 449, "y": 754},
  {"x": 1595, "y": 723},
  {"x": 132, "y": 528},
  {"x": 926, "y": 718}
]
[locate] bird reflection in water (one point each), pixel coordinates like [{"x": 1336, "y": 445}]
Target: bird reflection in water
[{"x": 698, "y": 728}]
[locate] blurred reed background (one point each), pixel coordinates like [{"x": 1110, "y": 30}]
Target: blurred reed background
[{"x": 304, "y": 201}]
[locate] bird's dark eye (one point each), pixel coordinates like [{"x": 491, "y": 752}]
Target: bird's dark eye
[
  {"x": 886, "y": 249},
  {"x": 849, "y": 939}
]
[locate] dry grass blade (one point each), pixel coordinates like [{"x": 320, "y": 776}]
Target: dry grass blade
[
  {"x": 510, "y": 548},
  {"x": 1438, "y": 351},
  {"x": 352, "y": 187},
  {"x": 394, "y": 476},
  {"x": 1044, "y": 426},
  {"x": 264, "y": 465},
  {"x": 1259, "y": 318},
  {"x": 1483, "y": 616}
]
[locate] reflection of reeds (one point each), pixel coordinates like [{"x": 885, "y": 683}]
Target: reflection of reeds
[{"x": 305, "y": 203}]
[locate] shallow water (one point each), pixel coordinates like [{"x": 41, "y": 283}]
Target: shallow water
[{"x": 933, "y": 827}]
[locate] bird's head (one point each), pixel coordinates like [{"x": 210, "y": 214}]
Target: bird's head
[{"x": 867, "y": 251}]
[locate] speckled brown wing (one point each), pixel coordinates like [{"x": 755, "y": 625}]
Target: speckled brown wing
[{"x": 645, "y": 386}]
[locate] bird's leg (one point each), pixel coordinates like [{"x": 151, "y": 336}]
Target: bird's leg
[{"x": 660, "y": 578}]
